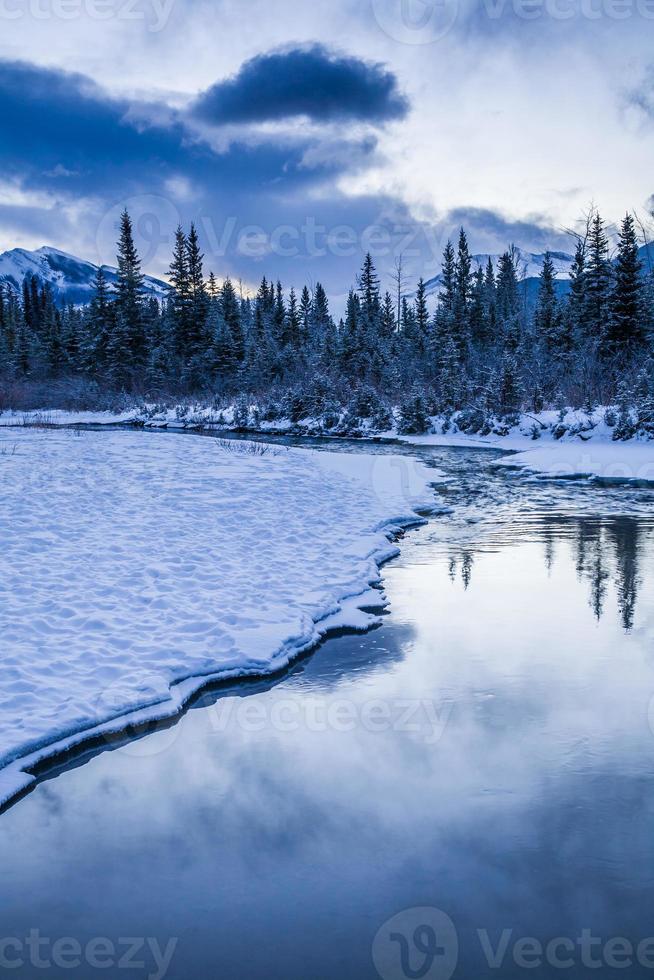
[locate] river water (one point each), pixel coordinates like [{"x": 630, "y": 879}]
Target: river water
[{"x": 465, "y": 792}]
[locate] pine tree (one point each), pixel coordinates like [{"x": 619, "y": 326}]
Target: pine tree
[
  {"x": 180, "y": 303},
  {"x": 462, "y": 283},
  {"x": 199, "y": 301},
  {"x": 577, "y": 302},
  {"x": 99, "y": 327},
  {"x": 626, "y": 329},
  {"x": 292, "y": 326},
  {"x": 546, "y": 316},
  {"x": 598, "y": 277},
  {"x": 509, "y": 390},
  {"x": 388, "y": 321},
  {"x": 230, "y": 309},
  {"x": 128, "y": 342},
  {"x": 305, "y": 317},
  {"x": 444, "y": 319},
  {"x": 507, "y": 286},
  {"x": 447, "y": 294},
  {"x": 478, "y": 317},
  {"x": 490, "y": 298},
  {"x": 422, "y": 317},
  {"x": 369, "y": 287}
]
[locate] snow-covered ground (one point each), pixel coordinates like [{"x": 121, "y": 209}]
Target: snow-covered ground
[
  {"x": 631, "y": 462},
  {"x": 586, "y": 449},
  {"x": 572, "y": 443},
  {"x": 134, "y": 567}
]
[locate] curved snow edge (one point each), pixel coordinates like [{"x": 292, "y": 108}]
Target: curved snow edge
[{"x": 350, "y": 611}]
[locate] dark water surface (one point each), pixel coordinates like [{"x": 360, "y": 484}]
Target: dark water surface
[{"x": 480, "y": 771}]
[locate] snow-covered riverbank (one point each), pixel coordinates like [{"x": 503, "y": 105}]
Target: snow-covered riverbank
[
  {"x": 134, "y": 568},
  {"x": 569, "y": 443}
]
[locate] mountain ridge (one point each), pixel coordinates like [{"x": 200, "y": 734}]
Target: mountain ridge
[{"x": 70, "y": 277}]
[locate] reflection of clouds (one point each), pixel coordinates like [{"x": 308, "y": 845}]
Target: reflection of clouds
[{"x": 515, "y": 819}]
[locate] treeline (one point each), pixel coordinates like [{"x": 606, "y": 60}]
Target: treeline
[{"x": 485, "y": 351}]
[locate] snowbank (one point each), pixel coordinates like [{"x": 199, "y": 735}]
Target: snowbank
[
  {"x": 612, "y": 462},
  {"x": 135, "y": 568},
  {"x": 569, "y": 443},
  {"x": 584, "y": 448}
]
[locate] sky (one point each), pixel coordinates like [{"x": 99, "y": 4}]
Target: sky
[{"x": 297, "y": 136}]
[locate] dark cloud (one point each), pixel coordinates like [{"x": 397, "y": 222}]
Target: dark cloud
[
  {"x": 312, "y": 82},
  {"x": 490, "y": 231},
  {"x": 78, "y": 156},
  {"x": 113, "y": 153},
  {"x": 55, "y": 123}
]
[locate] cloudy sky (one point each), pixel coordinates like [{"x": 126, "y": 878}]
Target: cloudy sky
[{"x": 298, "y": 134}]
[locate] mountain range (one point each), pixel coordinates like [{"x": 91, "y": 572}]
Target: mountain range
[
  {"x": 529, "y": 267},
  {"x": 70, "y": 278}
]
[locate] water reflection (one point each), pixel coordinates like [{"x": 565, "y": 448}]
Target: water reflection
[
  {"x": 277, "y": 843},
  {"x": 607, "y": 551}
]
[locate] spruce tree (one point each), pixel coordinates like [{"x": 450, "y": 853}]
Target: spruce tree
[
  {"x": 626, "y": 329},
  {"x": 180, "y": 303},
  {"x": 546, "y": 316},
  {"x": 507, "y": 286},
  {"x": 447, "y": 294},
  {"x": 99, "y": 327},
  {"x": 598, "y": 278},
  {"x": 199, "y": 301},
  {"x": 577, "y": 301},
  {"x": 129, "y": 335},
  {"x": 422, "y": 317},
  {"x": 462, "y": 282}
]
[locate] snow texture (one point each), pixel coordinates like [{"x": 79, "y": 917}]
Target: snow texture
[{"x": 135, "y": 567}]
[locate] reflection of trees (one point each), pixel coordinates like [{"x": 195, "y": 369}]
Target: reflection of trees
[
  {"x": 466, "y": 568},
  {"x": 467, "y": 560},
  {"x": 548, "y": 538},
  {"x": 598, "y": 578},
  {"x": 616, "y": 543},
  {"x": 605, "y": 551},
  {"x": 625, "y": 535}
]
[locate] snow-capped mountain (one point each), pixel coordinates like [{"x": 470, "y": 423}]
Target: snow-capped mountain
[
  {"x": 528, "y": 266},
  {"x": 71, "y": 278}
]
